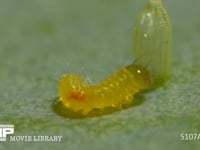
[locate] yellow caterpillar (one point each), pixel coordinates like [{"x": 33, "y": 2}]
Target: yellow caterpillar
[
  {"x": 153, "y": 39},
  {"x": 152, "y": 43},
  {"x": 115, "y": 91}
]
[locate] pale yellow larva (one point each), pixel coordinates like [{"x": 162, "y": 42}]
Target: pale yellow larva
[
  {"x": 152, "y": 40},
  {"x": 114, "y": 92}
]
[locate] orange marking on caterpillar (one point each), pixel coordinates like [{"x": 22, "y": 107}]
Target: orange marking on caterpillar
[{"x": 76, "y": 95}]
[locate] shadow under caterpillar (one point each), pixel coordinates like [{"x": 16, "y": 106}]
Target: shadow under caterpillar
[
  {"x": 114, "y": 92},
  {"x": 59, "y": 108}
]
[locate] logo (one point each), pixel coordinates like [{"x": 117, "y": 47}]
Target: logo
[{"x": 6, "y": 130}]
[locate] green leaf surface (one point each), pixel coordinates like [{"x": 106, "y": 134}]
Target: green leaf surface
[{"x": 42, "y": 39}]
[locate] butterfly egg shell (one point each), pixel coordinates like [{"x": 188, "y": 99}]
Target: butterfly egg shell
[
  {"x": 152, "y": 40},
  {"x": 115, "y": 91}
]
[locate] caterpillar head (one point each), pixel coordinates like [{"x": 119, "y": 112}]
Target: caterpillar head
[
  {"x": 71, "y": 89},
  {"x": 142, "y": 77}
]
